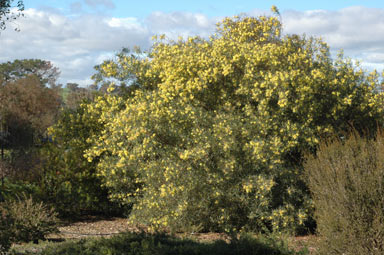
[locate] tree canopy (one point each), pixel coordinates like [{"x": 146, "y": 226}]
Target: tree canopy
[
  {"x": 44, "y": 70},
  {"x": 6, "y": 12},
  {"x": 29, "y": 104}
]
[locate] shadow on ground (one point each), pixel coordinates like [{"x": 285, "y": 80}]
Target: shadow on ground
[{"x": 162, "y": 244}]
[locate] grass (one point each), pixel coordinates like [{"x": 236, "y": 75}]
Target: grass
[{"x": 159, "y": 244}]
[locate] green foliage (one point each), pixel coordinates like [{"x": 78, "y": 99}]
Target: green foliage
[
  {"x": 24, "y": 220},
  {"x": 11, "y": 190},
  {"x": 6, "y": 13},
  {"x": 128, "y": 71},
  {"x": 137, "y": 244},
  {"x": 215, "y": 131},
  {"x": 18, "y": 69},
  {"x": 346, "y": 179},
  {"x": 69, "y": 181}
]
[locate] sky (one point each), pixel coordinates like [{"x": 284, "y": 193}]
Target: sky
[{"x": 76, "y": 35}]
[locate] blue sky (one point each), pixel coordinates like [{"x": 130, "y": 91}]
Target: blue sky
[
  {"x": 76, "y": 35},
  {"x": 137, "y": 8}
]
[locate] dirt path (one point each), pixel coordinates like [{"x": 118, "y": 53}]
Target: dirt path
[
  {"x": 99, "y": 227},
  {"x": 92, "y": 227}
]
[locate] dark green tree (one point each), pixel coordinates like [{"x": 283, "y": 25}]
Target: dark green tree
[
  {"x": 42, "y": 69},
  {"x": 6, "y": 13}
]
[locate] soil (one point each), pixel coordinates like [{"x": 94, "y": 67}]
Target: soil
[
  {"x": 92, "y": 226},
  {"x": 300, "y": 242}
]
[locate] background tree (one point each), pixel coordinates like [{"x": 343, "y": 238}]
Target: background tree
[
  {"x": 28, "y": 103},
  {"x": 127, "y": 66},
  {"x": 26, "y": 99},
  {"x": 6, "y": 14},
  {"x": 27, "y": 107},
  {"x": 75, "y": 95},
  {"x": 42, "y": 69}
]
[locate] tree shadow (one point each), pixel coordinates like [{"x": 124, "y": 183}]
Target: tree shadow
[{"x": 162, "y": 244}]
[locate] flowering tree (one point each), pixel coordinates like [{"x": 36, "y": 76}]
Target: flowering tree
[{"x": 212, "y": 137}]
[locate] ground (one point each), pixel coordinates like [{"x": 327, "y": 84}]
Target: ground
[
  {"x": 96, "y": 226},
  {"x": 91, "y": 226}
]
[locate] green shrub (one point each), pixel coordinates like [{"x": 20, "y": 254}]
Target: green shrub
[
  {"x": 11, "y": 189},
  {"x": 28, "y": 221},
  {"x": 346, "y": 178}
]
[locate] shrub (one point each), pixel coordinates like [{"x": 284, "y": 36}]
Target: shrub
[
  {"x": 28, "y": 221},
  {"x": 5, "y": 233},
  {"x": 11, "y": 189},
  {"x": 346, "y": 179},
  {"x": 211, "y": 138},
  {"x": 69, "y": 181}
]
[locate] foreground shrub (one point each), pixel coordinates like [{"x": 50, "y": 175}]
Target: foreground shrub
[
  {"x": 346, "y": 178},
  {"x": 159, "y": 244},
  {"x": 28, "y": 221},
  {"x": 211, "y": 138}
]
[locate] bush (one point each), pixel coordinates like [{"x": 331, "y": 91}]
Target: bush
[
  {"x": 10, "y": 192},
  {"x": 5, "y": 233},
  {"x": 69, "y": 181},
  {"x": 346, "y": 179},
  {"x": 28, "y": 221},
  {"x": 11, "y": 189},
  {"x": 211, "y": 138}
]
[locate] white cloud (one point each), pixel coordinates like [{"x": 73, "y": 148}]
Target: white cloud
[
  {"x": 183, "y": 24},
  {"x": 73, "y": 44},
  {"x": 77, "y": 43},
  {"x": 357, "y": 30}
]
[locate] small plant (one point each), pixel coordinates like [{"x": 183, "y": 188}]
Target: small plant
[
  {"x": 27, "y": 220},
  {"x": 346, "y": 178},
  {"x": 5, "y": 233}
]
